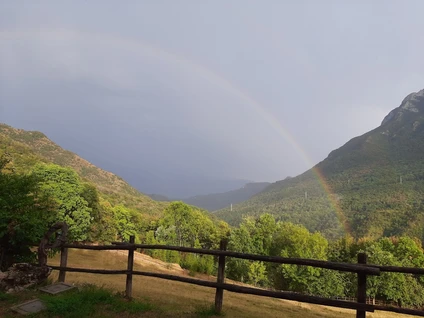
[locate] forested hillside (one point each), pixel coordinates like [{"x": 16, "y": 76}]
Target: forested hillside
[
  {"x": 372, "y": 186},
  {"x": 29, "y": 147}
]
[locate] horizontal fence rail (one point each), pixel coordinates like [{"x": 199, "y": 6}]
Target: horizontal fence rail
[
  {"x": 345, "y": 267},
  {"x": 362, "y": 269},
  {"x": 397, "y": 269},
  {"x": 230, "y": 287},
  {"x": 399, "y": 310}
]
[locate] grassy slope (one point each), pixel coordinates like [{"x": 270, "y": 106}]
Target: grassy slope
[
  {"x": 174, "y": 299},
  {"x": 29, "y": 147},
  {"x": 364, "y": 177}
]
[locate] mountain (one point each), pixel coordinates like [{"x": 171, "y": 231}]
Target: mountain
[
  {"x": 160, "y": 197},
  {"x": 177, "y": 185},
  {"x": 29, "y": 147},
  {"x": 216, "y": 201},
  {"x": 372, "y": 186}
]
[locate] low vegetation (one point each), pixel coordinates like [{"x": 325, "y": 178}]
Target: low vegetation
[
  {"x": 90, "y": 301},
  {"x": 86, "y": 301}
]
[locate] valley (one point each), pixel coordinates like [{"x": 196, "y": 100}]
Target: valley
[
  {"x": 288, "y": 135},
  {"x": 365, "y": 196}
]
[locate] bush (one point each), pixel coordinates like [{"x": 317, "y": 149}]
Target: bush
[{"x": 198, "y": 263}]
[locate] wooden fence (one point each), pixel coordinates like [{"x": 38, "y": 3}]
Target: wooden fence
[
  {"x": 370, "y": 300},
  {"x": 362, "y": 269}
]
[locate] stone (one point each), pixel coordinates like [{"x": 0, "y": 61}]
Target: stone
[
  {"x": 56, "y": 288},
  {"x": 29, "y": 307}
]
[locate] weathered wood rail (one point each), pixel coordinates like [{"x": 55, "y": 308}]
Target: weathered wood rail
[{"x": 362, "y": 269}]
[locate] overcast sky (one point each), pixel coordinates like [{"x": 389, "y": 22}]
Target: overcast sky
[{"x": 242, "y": 89}]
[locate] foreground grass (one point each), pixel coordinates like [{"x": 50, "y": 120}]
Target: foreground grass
[
  {"x": 86, "y": 301},
  {"x": 165, "y": 298},
  {"x": 91, "y": 301}
]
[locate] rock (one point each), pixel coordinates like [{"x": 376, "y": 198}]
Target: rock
[
  {"x": 415, "y": 125},
  {"x": 23, "y": 275}
]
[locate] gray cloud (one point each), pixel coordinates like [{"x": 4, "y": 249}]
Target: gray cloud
[{"x": 241, "y": 90}]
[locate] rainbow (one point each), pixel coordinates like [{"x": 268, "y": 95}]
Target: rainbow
[{"x": 201, "y": 71}]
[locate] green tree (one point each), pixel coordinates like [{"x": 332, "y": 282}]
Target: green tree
[
  {"x": 296, "y": 241},
  {"x": 402, "y": 288},
  {"x": 394, "y": 251},
  {"x": 179, "y": 215},
  {"x": 124, "y": 220},
  {"x": 240, "y": 241},
  {"x": 104, "y": 227},
  {"x": 24, "y": 214},
  {"x": 184, "y": 225},
  {"x": 257, "y": 274},
  {"x": 64, "y": 187},
  {"x": 91, "y": 196}
]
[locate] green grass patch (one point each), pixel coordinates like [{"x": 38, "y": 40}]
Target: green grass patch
[
  {"x": 133, "y": 307},
  {"x": 88, "y": 301},
  {"x": 6, "y": 297}
]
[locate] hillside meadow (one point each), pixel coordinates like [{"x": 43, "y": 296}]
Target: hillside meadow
[{"x": 175, "y": 299}]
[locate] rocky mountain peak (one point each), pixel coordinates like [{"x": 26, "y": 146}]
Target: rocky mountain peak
[{"x": 414, "y": 103}]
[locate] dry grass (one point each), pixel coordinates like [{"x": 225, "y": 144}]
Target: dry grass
[{"x": 175, "y": 299}]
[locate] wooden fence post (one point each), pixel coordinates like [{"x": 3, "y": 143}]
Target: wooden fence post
[
  {"x": 63, "y": 263},
  {"x": 128, "y": 288},
  {"x": 362, "y": 286},
  {"x": 219, "y": 295}
]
